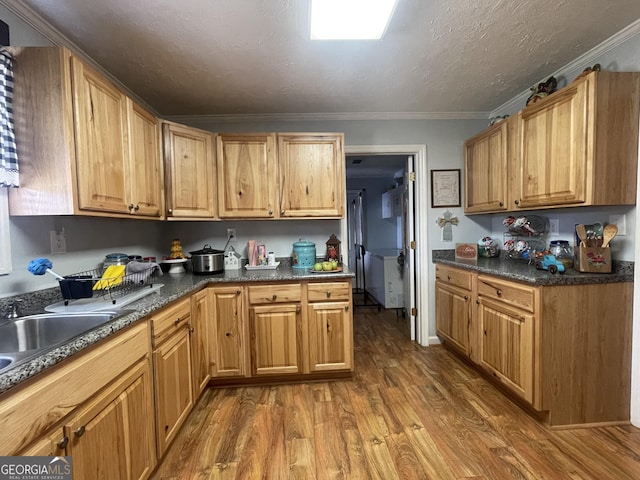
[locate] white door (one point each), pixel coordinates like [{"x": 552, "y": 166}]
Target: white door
[{"x": 408, "y": 246}]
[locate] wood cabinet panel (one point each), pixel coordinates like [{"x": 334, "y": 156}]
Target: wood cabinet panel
[
  {"x": 507, "y": 345},
  {"x": 453, "y": 315},
  {"x": 276, "y": 339},
  {"x": 328, "y": 291},
  {"x": 286, "y": 293},
  {"x": 311, "y": 175},
  {"x": 146, "y": 195},
  {"x": 174, "y": 387},
  {"x": 514, "y": 294},
  {"x": 247, "y": 175},
  {"x": 112, "y": 437},
  {"x": 101, "y": 133},
  {"x": 455, "y": 276},
  {"x": 170, "y": 320},
  {"x": 49, "y": 446},
  {"x": 485, "y": 160},
  {"x": 228, "y": 333},
  {"x": 58, "y": 393},
  {"x": 189, "y": 172},
  {"x": 330, "y": 336},
  {"x": 201, "y": 318}
]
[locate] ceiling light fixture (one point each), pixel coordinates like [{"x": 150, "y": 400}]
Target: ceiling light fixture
[{"x": 350, "y": 19}]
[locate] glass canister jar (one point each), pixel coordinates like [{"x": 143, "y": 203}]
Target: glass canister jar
[{"x": 562, "y": 251}]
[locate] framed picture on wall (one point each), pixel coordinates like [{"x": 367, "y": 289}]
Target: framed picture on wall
[{"x": 445, "y": 188}]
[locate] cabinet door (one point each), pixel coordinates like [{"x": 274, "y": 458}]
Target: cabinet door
[
  {"x": 311, "y": 175},
  {"x": 189, "y": 172},
  {"x": 113, "y": 436},
  {"x": 174, "y": 387},
  {"x": 554, "y": 149},
  {"x": 247, "y": 176},
  {"x": 506, "y": 348},
  {"x": 330, "y": 336},
  {"x": 453, "y": 314},
  {"x": 146, "y": 192},
  {"x": 275, "y": 339},
  {"x": 227, "y": 335},
  {"x": 53, "y": 445},
  {"x": 200, "y": 320},
  {"x": 485, "y": 162},
  {"x": 102, "y": 169}
]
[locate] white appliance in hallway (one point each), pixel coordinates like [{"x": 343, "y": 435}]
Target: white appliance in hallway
[{"x": 384, "y": 277}]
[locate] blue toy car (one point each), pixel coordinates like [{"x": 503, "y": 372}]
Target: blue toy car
[{"x": 550, "y": 263}]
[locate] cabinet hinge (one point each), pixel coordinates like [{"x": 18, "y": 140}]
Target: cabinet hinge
[
  {"x": 414, "y": 312},
  {"x": 412, "y": 245},
  {"x": 412, "y": 176}
]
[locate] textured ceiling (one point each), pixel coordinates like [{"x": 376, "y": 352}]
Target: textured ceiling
[{"x": 199, "y": 57}]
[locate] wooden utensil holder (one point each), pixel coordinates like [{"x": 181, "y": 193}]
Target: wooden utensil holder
[{"x": 592, "y": 259}]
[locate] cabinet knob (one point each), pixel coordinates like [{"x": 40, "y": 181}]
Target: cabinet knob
[
  {"x": 79, "y": 432},
  {"x": 448, "y": 278},
  {"x": 298, "y": 308},
  {"x": 170, "y": 210},
  {"x": 136, "y": 208},
  {"x": 328, "y": 328},
  {"x": 228, "y": 334},
  {"x": 190, "y": 327},
  {"x": 176, "y": 321},
  {"x": 328, "y": 294},
  {"x": 270, "y": 212},
  {"x": 307, "y": 189},
  {"x": 273, "y": 299},
  {"x": 500, "y": 204},
  {"x": 62, "y": 444},
  {"x": 130, "y": 207},
  {"x": 346, "y": 308},
  {"x": 466, "y": 297},
  {"x": 238, "y": 292},
  {"x": 477, "y": 302},
  {"x": 498, "y": 292},
  {"x": 517, "y": 202}
]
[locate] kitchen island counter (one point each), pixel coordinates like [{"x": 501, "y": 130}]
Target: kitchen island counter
[{"x": 174, "y": 287}]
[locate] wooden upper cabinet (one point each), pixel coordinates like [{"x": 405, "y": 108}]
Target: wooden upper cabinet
[
  {"x": 312, "y": 180},
  {"x": 145, "y": 168},
  {"x": 189, "y": 172},
  {"x": 485, "y": 161},
  {"x": 80, "y": 141},
  {"x": 247, "y": 175},
  {"x": 100, "y": 112},
  {"x": 579, "y": 146}
]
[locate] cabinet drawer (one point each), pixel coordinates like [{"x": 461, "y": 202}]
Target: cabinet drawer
[
  {"x": 320, "y": 292},
  {"x": 454, "y": 276},
  {"x": 172, "y": 318},
  {"x": 275, "y": 293},
  {"x": 511, "y": 293}
]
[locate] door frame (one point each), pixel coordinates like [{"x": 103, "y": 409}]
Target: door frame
[{"x": 421, "y": 204}]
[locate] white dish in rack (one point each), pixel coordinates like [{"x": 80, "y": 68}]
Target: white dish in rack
[{"x": 262, "y": 267}]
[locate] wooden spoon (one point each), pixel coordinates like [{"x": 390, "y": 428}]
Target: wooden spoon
[
  {"x": 608, "y": 233},
  {"x": 582, "y": 234}
]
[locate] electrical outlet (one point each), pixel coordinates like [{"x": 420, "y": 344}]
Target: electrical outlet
[
  {"x": 58, "y": 241},
  {"x": 554, "y": 226},
  {"x": 231, "y": 234},
  {"x": 619, "y": 221}
]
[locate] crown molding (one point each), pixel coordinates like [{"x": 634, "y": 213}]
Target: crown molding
[
  {"x": 576, "y": 66},
  {"x": 318, "y": 117}
]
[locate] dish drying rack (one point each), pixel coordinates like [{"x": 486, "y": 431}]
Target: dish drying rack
[{"x": 81, "y": 284}]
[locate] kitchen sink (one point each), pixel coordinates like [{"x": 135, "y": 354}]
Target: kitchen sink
[{"x": 27, "y": 337}]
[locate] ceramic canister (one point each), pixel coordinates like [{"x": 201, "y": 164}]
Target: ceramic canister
[{"x": 304, "y": 254}]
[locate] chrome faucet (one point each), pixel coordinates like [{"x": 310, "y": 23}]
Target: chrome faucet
[{"x": 12, "y": 309}]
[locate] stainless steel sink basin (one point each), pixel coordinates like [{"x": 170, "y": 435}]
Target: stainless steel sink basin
[
  {"x": 27, "y": 337},
  {"x": 41, "y": 331}
]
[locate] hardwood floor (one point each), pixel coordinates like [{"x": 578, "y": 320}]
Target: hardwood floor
[{"x": 410, "y": 413}]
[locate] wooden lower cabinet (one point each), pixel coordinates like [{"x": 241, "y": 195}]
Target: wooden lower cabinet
[
  {"x": 52, "y": 445},
  {"x": 563, "y": 349},
  {"x": 275, "y": 339},
  {"x": 330, "y": 336},
  {"x": 453, "y": 315},
  {"x": 112, "y": 437},
  {"x": 506, "y": 346},
  {"x": 199, "y": 330},
  {"x": 227, "y": 332}
]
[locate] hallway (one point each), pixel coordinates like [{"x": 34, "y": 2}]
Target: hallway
[{"x": 410, "y": 413}]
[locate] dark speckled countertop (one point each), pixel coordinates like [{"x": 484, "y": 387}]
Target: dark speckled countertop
[
  {"x": 521, "y": 271},
  {"x": 174, "y": 287}
]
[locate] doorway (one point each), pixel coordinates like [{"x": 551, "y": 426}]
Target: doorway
[{"x": 390, "y": 173}]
